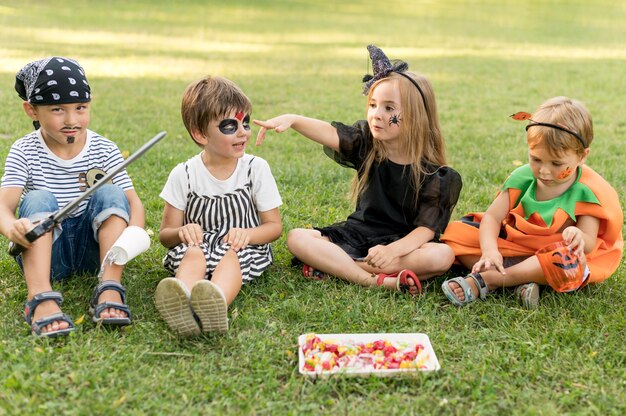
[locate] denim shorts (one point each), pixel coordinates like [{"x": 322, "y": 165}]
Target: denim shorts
[{"x": 75, "y": 247}]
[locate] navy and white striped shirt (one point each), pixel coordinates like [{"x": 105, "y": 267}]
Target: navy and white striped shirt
[{"x": 31, "y": 165}]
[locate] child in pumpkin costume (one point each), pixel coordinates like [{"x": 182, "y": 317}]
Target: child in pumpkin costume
[{"x": 555, "y": 197}]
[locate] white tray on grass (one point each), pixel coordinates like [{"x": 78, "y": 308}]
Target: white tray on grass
[{"x": 430, "y": 362}]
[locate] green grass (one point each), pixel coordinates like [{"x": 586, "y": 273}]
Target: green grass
[{"x": 487, "y": 59}]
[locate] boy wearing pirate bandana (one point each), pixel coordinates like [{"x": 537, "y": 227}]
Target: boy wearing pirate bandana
[{"x": 50, "y": 167}]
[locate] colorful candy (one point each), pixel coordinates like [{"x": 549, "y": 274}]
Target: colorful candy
[{"x": 329, "y": 355}]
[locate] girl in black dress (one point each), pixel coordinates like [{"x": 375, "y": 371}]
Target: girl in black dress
[{"x": 404, "y": 192}]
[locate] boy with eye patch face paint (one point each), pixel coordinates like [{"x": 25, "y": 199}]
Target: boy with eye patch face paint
[
  {"x": 220, "y": 215},
  {"x": 555, "y": 197}
]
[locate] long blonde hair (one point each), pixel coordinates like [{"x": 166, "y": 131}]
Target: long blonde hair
[{"x": 420, "y": 133}]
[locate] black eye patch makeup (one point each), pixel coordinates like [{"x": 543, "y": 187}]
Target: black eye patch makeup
[{"x": 229, "y": 126}]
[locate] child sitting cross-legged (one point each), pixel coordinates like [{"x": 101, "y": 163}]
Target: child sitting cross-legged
[
  {"x": 555, "y": 198},
  {"x": 403, "y": 189}
]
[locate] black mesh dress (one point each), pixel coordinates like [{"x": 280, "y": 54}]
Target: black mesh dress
[{"x": 385, "y": 211}]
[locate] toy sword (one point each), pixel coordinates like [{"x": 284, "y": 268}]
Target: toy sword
[{"x": 53, "y": 220}]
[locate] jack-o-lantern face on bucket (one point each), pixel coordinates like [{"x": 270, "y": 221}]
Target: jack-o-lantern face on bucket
[
  {"x": 565, "y": 261},
  {"x": 562, "y": 268}
]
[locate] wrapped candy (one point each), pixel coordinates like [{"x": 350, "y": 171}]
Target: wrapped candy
[{"x": 329, "y": 355}]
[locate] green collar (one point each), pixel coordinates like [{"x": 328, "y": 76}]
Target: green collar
[{"x": 523, "y": 179}]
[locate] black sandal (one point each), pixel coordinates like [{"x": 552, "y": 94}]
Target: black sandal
[
  {"x": 95, "y": 309},
  {"x": 29, "y": 310}
]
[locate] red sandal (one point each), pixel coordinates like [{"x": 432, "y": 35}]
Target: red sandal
[
  {"x": 402, "y": 279},
  {"x": 311, "y": 273}
]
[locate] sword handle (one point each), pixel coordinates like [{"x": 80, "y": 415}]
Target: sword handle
[{"x": 39, "y": 230}]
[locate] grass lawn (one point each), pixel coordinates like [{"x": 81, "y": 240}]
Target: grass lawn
[{"x": 486, "y": 59}]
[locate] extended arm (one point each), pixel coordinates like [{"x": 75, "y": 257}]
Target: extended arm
[{"x": 317, "y": 130}]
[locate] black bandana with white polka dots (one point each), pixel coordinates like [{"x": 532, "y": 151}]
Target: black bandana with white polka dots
[{"x": 52, "y": 81}]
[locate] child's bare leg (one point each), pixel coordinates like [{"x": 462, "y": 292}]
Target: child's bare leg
[
  {"x": 108, "y": 233},
  {"x": 209, "y": 300},
  {"x": 318, "y": 252},
  {"x": 227, "y": 276},
  {"x": 432, "y": 259},
  {"x": 173, "y": 295},
  {"x": 192, "y": 267},
  {"x": 468, "y": 261},
  {"x": 527, "y": 271},
  {"x": 36, "y": 262}
]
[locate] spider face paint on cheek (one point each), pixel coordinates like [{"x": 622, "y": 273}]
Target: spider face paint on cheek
[
  {"x": 395, "y": 119},
  {"x": 70, "y": 139},
  {"x": 229, "y": 126},
  {"x": 565, "y": 173}
]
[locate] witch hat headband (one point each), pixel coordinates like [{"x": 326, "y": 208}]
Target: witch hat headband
[
  {"x": 522, "y": 115},
  {"x": 382, "y": 67}
]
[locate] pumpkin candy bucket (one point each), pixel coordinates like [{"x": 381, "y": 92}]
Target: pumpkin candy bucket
[{"x": 562, "y": 268}]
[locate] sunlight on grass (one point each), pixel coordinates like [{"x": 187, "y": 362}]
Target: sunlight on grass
[
  {"x": 7, "y": 11},
  {"x": 499, "y": 50},
  {"x": 158, "y": 64},
  {"x": 141, "y": 41}
]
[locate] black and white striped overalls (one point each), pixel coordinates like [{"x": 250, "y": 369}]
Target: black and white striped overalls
[{"x": 217, "y": 214}]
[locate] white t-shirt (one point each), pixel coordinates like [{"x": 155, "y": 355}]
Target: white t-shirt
[
  {"x": 264, "y": 189},
  {"x": 31, "y": 165}
]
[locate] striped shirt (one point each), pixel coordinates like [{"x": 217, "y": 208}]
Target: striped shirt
[{"x": 31, "y": 165}]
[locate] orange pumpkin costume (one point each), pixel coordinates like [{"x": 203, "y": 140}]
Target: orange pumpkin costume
[{"x": 531, "y": 225}]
